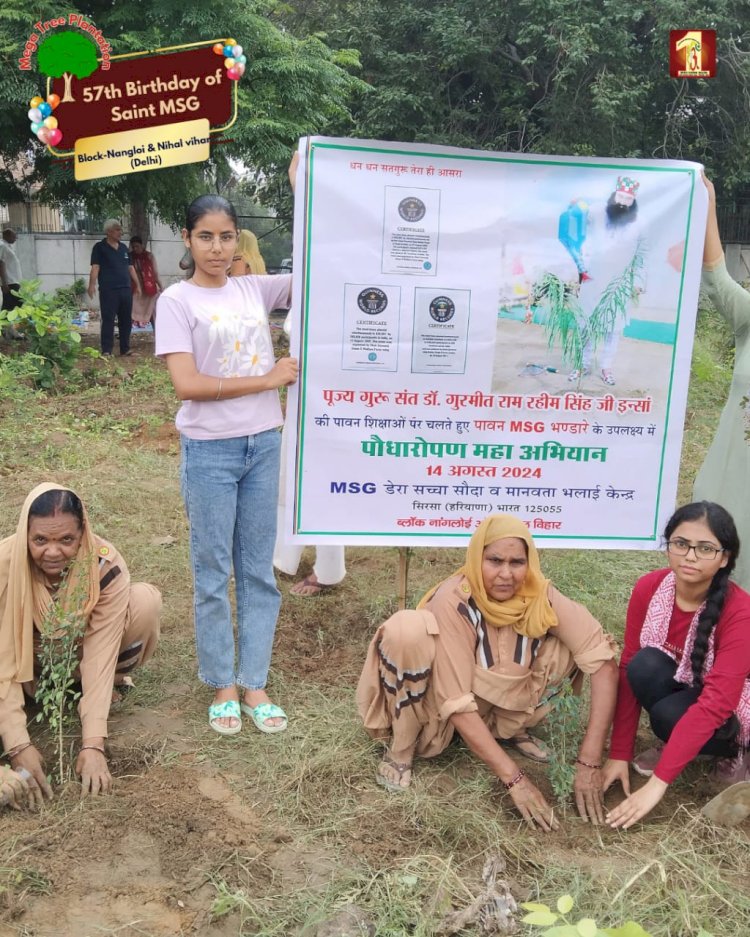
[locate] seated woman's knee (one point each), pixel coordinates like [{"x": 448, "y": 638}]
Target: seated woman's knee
[
  {"x": 406, "y": 628},
  {"x": 649, "y": 667}
]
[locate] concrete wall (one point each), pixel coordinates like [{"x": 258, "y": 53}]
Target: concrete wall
[
  {"x": 59, "y": 259},
  {"x": 738, "y": 261}
]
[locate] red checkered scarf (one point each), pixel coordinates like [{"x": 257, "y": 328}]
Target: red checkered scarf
[{"x": 654, "y": 634}]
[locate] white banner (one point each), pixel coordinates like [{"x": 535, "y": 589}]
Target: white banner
[{"x": 489, "y": 332}]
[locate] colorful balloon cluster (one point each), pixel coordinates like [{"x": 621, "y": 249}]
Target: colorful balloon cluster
[
  {"x": 234, "y": 60},
  {"x": 43, "y": 124}
]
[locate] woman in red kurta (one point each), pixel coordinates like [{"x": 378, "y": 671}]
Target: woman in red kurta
[{"x": 686, "y": 661}]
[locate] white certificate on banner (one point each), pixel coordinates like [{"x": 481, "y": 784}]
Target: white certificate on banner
[
  {"x": 411, "y": 226},
  {"x": 441, "y": 331},
  {"x": 541, "y": 370},
  {"x": 371, "y": 320}
]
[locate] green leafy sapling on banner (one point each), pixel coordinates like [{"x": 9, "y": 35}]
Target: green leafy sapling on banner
[
  {"x": 566, "y": 324},
  {"x": 618, "y": 296},
  {"x": 67, "y": 54},
  {"x": 565, "y": 321}
]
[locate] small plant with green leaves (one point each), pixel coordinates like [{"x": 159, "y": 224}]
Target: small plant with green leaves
[
  {"x": 71, "y": 297},
  {"x": 564, "y": 726},
  {"x": 557, "y": 924},
  {"x": 60, "y": 634},
  {"x": 49, "y": 333},
  {"x": 17, "y": 374}
]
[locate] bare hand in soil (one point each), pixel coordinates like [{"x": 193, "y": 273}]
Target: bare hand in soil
[
  {"x": 94, "y": 773},
  {"x": 14, "y": 789},
  {"x": 616, "y": 770},
  {"x": 532, "y": 806},
  {"x": 637, "y": 805},
  {"x": 588, "y": 791},
  {"x": 30, "y": 760}
]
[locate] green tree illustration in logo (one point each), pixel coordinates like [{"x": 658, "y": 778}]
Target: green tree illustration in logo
[{"x": 67, "y": 54}]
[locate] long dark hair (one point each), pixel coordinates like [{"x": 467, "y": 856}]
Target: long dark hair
[
  {"x": 208, "y": 203},
  {"x": 722, "y": 526},
  {"x": 57, "y": 501}
]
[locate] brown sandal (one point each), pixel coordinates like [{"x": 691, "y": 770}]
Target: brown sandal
[
  {"x": 309, "y": 583},
  {"x": 517, "y": 743},
  {"x": 395, "y": 787}
]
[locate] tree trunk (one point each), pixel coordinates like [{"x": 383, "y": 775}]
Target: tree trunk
[
  {"x": 67, "y": 97},
  {"x": 139, "y": 221}
]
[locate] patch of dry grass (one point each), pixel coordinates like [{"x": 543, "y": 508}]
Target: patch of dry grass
[{"x": 405, "y": 860}]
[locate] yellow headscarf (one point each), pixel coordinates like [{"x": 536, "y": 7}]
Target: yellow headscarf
[
  {"x": 248, "y": 250},
  {"x": 24, "y": 597},
  {"x": 529, "y": 611}
]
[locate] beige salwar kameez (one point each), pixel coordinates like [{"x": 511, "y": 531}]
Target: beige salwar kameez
[{"x": 424, "y": 666}]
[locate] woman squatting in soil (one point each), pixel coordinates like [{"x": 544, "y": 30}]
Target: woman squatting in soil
[
  {"x": 686, "y": 661},
  {"x": 482, "y": 655},
  {"x": 55, "y": 559}
]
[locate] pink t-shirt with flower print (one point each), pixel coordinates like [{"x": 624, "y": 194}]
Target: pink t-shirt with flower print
[{"x": 227, "y": 332}]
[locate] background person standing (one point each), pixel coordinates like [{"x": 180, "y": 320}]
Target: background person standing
[
  {"x": 144, "y": 264},
  {"x": 112, "y": 266},
  {"x": 10, "y": 270}
]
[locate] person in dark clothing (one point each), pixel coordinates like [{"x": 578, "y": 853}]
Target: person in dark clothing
[
  {"x": 10, "y": 270},
  {"x": 112, "y": 267}
]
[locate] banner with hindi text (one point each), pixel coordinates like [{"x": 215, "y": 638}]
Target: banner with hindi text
[{"x": 489, "y": 332}]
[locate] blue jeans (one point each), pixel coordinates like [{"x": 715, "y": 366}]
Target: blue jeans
[{"x": 230, "y": 489}]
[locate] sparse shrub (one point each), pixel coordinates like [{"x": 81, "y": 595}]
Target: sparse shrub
[
  {"x": 60, "y": 635},
  {"x": 46, "y": 326},
  {"x": 71, "y": 297},
  {"x": 563, "y": 724}
]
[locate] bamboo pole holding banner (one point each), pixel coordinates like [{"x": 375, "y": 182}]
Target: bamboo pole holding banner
[{"x": 403, "y": 574}]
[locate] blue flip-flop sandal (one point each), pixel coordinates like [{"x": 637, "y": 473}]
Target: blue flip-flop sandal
[
  {"x": 264, "y": 711},
  {"x": 229, "y": 709}
]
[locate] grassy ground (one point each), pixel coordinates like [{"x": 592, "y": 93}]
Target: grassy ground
[{"x": 271, "y": 835}]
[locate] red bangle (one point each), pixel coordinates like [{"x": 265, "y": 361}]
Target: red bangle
[
  {"x": 587, "y": 765},
  {"x": 513, "y": 781},
  {"x": 17, "y": 750},
  {"x": 92, "y": 748}
]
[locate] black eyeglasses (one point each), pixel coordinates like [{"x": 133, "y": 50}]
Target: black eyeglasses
[{"x": 702, "y": 550}]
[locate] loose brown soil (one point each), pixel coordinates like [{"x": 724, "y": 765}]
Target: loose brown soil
[{"x": 193, "y": 817}]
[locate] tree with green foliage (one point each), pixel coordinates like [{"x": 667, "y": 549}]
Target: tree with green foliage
[
  {"x": 67, "y": 54},
  {"x": 579, "y": 77}
]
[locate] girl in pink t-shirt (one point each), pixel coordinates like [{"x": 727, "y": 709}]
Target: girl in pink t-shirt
[{"x": 215, "y": 338}]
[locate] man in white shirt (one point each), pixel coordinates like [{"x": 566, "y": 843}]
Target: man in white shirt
[{"x": 10, "y": 269}]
